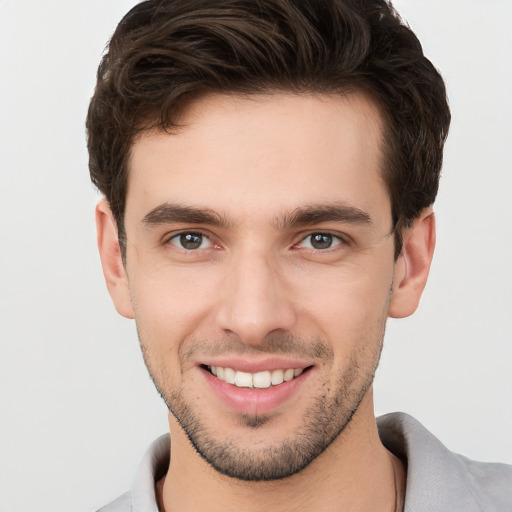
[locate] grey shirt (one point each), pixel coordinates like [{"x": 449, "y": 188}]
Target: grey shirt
[{"x": 438, "y": 480}]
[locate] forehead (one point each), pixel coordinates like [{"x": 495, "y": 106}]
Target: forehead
[{"x": 247, "y": 157}]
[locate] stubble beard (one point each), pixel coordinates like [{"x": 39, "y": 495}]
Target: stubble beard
[{"x": 326, "y": 418}]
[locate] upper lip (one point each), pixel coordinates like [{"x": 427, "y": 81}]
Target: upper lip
[{"x": 256, "y": 365}]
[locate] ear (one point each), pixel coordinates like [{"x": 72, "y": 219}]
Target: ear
[
  {"x": 413, "y": 265},
  {"x": 111, "y": 260}
]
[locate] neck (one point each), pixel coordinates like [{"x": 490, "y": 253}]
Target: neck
[{"x": 354, "y": 473}]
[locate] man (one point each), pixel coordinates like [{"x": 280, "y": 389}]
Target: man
[{"x": 268, "y": 170}]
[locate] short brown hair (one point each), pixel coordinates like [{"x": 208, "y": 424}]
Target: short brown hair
[{"x": 165, "y": 53}]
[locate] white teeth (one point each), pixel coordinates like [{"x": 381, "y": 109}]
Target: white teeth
[
  {"x": 277, "y": 377},
  {"x": 243, "y": 380},
  {"x": 288, "y": 375},
  {"x": 261, "y": 380},
  {"x": 229, "y": 375}
]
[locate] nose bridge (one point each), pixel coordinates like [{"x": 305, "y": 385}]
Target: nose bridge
[{"x": 255, "y": 301}]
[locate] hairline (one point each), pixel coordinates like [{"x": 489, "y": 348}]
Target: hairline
[{"x": 384, "y": 120}]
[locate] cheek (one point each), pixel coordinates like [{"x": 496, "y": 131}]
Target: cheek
[
  {"x": 346, "y": 299},
  {"x": 171, "y": 301},
  {"x": 353, "y": 322}
]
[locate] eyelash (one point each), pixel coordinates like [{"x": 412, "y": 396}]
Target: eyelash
[
  {"x": 335, "y": 239},
  {"x": 177, "y": 236}
]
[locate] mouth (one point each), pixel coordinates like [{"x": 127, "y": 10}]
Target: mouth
[
  {"x": 259, "y": 380},
  {"x": 256, "y": 386}
]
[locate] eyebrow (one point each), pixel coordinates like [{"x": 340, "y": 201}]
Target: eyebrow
[
  {"x": 167, "y": 213},
  {"x": 315, "y": 214}
]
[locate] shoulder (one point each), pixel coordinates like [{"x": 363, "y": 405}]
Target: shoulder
[
  {"x": 121, "y": 504},
  {"x": 492, "y": 480},
  {"x": 151, "y": 467},
  {"x": 439, "y": 479}
]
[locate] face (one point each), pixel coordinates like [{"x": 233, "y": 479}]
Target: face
[{"x": 259, "y": 269}]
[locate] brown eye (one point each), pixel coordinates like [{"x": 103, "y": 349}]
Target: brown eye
[{"x": 190, "y": 241}]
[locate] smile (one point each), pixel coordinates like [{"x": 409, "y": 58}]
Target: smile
[
  {"x": 256, "y": 387},
  {"x": 260, "y": 380}
]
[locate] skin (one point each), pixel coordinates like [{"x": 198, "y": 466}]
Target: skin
[{"x": 256, "y": 288}]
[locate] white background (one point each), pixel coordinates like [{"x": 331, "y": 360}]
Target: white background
[{"x": 77, "y": 408}]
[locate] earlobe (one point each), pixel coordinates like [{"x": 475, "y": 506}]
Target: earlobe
[
  {"x": 111, "y": 260},
  {"x": 413, "y": 265}
]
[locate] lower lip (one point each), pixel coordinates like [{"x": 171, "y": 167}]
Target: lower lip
[{"x": 254, "y": 401}]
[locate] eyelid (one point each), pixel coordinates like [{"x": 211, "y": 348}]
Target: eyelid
[
  {"x": 342, "y": 239},
  {"x": 167, "y": 239}
]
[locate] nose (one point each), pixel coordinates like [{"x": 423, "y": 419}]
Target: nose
[{"x": 255, "y": 301}]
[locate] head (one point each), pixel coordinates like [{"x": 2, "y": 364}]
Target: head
[{"x": 268, "y": 169}]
